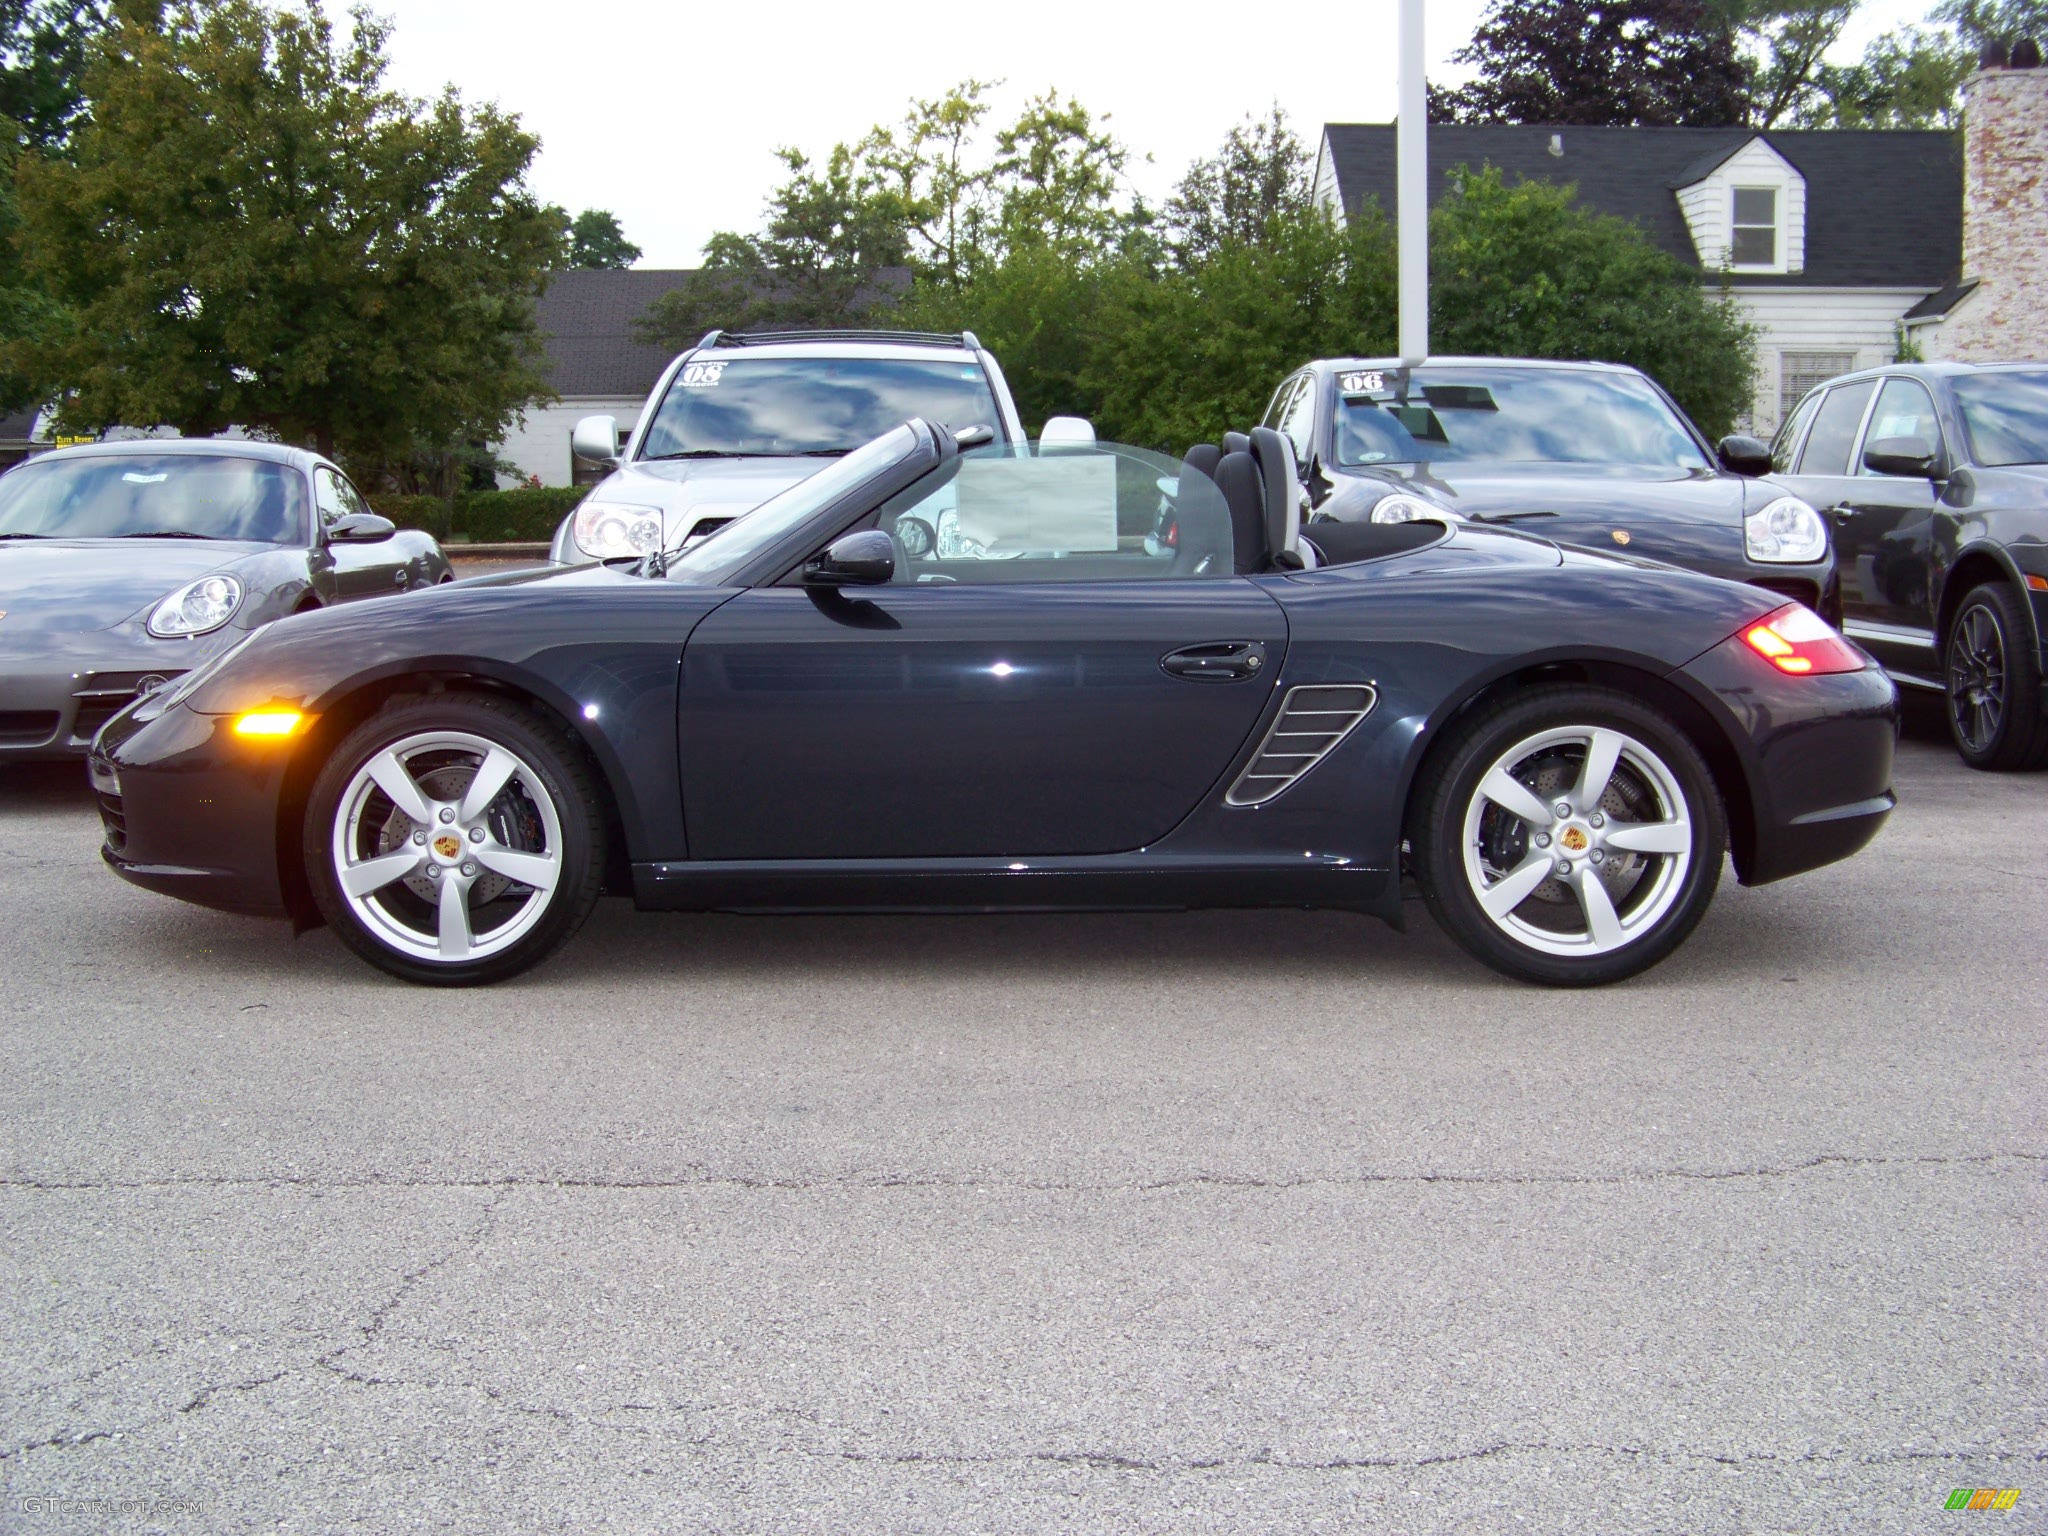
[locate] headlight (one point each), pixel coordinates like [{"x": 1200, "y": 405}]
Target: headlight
[
  {"x": 1785, "y": 532},
  {"x": 608, "y": 530},
  {"x": 1400, "y": 507},
  {"x": 196, "y": 609}
]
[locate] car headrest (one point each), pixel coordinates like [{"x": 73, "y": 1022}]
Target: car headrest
[
  {"x": 1203, "y": 459},
  {"x": 1281, "y": 483},
  {"x": 1064, "y": 434},
  {"x": 1239, "y": 479},
  {"x": 1236, "y": 442}
]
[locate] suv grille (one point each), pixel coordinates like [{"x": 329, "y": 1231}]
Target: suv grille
[{"x": 1312, "y": 722}]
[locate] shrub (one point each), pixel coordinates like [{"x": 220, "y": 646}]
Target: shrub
[
  {"x": 526, "y": 515},
  {"x": 430, "y": 513}
]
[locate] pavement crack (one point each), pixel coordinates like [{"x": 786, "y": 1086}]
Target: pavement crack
[
  {"x": 502, "y": 1186},
  {"x": 205, "y": 1394}
]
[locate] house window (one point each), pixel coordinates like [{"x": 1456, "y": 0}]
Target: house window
[
  {"x": 1800, "y": 372},
  {"x": 1756, "y": 227}
]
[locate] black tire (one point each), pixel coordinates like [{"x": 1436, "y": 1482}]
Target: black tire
[
  {"x": 1654, "y": 898},
  {"x": 1993, "y": 682},
  {"x": 545, "y": 825}
]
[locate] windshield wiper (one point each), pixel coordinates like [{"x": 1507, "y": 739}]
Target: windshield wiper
[
  {"x": 167, "y": 533},
  {"x": 696, "y": 453},
  {"x": 25, "y": 535}
]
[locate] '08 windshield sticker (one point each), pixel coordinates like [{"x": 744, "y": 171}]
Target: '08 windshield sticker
[{"x": 702, "y": 375}]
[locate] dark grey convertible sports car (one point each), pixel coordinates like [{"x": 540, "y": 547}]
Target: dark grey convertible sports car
[
  {"x": 934, "y": 679},
  {"x": 125, "y": 565}
]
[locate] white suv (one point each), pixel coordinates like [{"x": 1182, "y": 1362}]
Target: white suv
[{"x": 739, "y": 418}]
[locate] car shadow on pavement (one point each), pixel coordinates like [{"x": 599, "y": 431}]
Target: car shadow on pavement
[{"x": 43, "y": 787}]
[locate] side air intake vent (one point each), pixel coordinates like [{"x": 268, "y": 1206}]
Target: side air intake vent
[{"x": 1311, "y": 723}]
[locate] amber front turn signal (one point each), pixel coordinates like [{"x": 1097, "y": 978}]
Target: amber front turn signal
[{"x": 268, "y": 724}]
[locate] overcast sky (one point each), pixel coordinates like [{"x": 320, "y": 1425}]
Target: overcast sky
[{"x": 669, "y": 114}]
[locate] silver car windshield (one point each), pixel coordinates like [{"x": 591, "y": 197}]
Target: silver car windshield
[
  {"x": 789, "y": 407},
  {"x": 154, "y": 495},
  {"x": 733, "y": 546},
  {"x": 1509, "y": 415}
]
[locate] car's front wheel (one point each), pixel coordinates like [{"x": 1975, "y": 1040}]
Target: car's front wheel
[
  {"x": 455, "y": 840},
  {"x": 1994, "y": 685},
  {"x": 1568, "y": 835}
]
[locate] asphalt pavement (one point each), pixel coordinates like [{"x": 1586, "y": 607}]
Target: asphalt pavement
[{"x": 1224, "y": 1222}]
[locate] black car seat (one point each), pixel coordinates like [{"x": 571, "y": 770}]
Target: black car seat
[
  {"x": 1236, "y": 442},
  {"x": 1280, "y": 482},
  {"x": 1203, "y": 459},
  {"x": 1239, "y": 479}
]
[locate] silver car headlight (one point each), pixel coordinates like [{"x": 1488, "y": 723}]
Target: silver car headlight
[
  {"x": 196, "y": 608},
  {"x": 1785, "y": 532},
  {"x": 611, "y": 530},
  {"x": 1402, "y": 507}
]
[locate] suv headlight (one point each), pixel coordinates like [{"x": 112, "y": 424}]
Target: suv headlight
[
  {"x": 610, "y": 530},
  {"x": 1402, "y": 507},
  {"x": 196, "y": 608},
  {"x": 1785, "y": 532}
]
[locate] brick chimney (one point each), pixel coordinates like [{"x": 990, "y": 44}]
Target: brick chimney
[{"x": 2005, "y": 211}]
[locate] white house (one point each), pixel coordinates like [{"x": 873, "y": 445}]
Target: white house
[{"x": 1831, "y": 243}]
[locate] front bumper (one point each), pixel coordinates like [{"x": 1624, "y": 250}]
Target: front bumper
[
  {"x": 1818, "y": 759},
  {"x": 189, "y": 810},
  {"x": 58, "y": 689}
]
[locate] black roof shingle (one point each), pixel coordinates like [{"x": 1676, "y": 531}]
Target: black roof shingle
[
  {"x": 1884, "y": 208},
  {"x": 588, "y": 324}
]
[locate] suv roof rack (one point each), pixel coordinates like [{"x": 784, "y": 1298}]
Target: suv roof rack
[{"x": 902, "y": 338}]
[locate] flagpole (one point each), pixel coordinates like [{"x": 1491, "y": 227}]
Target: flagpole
[{"x": 1412, "y": 196}]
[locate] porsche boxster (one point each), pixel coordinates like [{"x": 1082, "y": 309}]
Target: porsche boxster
[{"x": 948, "y": 674}]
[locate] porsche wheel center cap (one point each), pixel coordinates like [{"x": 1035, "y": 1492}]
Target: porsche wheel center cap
[
  {"x": 1574, "y": 839},
  {"x": 448, "y": 846}
]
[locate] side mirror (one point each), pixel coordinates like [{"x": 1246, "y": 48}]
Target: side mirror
[
  {"x": 360, "y": 528},
  {"x": 596, "y": 438},
  {"x": 1912, "y": 457},
  {"x": 864, "y": 559},
  {"x": 1741, "y": 455}
]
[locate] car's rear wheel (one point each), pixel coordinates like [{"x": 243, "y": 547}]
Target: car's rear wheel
[
  {"x": 1994, "y": 683},
  {"x": 455, "y": 840},
  {"x": 1568, "y": 835}
]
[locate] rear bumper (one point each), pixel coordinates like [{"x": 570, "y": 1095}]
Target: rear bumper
[{"x": 1818, "y": 763}]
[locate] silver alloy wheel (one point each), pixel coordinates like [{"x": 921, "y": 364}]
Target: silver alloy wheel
[
  {"x": 1577, "y": 841},
  {"x": 447, "y": 846}
]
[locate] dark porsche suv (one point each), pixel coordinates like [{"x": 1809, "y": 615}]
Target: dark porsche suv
[{"x": 1934, "y": 479}]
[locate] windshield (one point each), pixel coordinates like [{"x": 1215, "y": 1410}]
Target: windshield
[
  {"x": 1513, "y": 415},
  {"x": 726, "y": 551},
  {"x": 137, "y": 495},
  {"x": 2007, "y": 414},
  {"x": 785, "y": 406}
]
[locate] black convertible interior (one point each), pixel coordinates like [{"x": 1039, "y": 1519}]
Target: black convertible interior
[{"x": 1257, "y": 476}]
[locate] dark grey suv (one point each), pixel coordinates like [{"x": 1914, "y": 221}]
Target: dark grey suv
[{"x": 1934, "y": 477}]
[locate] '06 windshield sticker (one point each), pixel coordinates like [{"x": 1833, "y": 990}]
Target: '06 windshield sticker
[{"x": 702, "y": 375}]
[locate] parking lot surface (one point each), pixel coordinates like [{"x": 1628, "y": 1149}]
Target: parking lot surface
[{"x": 1268, "y": 1222}]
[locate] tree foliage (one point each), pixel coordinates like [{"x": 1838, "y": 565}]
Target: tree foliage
[
  {"x": 1521, "y": 271},
  {"x": 1601, "y": 63},
  {"x": 597, "y": 241},
  {"x": 253, "y": 228},
  {"x": 43, "y": 46}
]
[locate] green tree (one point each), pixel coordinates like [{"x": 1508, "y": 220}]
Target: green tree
[
  {"x": 1058, "y": 176},
  {"x": 1255, "y": 181},
  {"x": 253, "y": 228},
  {"x": 1520, "y": 271},
  {"x": 597, "y": 241},
  {"x": 43, "y": 46},
  {"x": 1602, "y": 63},
  {"x": 821, "y": 259},
  {"x": 940, "y": 186},
  {"x": 1976, "y": 23}
]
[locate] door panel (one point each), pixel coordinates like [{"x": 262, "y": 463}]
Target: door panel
[
  {"x": 360, "y": 570},
  {"x": 962, "y": 721}
]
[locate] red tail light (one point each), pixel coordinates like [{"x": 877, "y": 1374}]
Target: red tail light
[{"x": 1797, "y": 640}]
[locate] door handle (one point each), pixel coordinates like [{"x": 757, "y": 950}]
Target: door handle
[
  {"x": 401, "y": 578},
  {"x": 1219, "y": 661},
  {"x": 1841, "y": 512}
]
